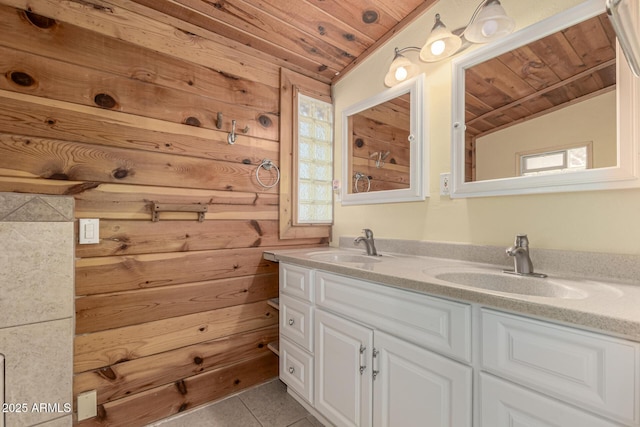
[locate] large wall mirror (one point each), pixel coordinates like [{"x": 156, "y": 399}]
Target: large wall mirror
[
  {"x": 384, "y": 146},
  {"x": 552, "y": 107}
]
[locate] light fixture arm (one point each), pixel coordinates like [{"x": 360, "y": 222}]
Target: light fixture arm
[
  {"x": 460, "y": 31},
  {"x": 399, "y": 52}
]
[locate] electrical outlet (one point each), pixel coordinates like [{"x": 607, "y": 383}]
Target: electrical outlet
[
  {"x": 445, "y": 179},
  {"x": 87, "y": 405}
]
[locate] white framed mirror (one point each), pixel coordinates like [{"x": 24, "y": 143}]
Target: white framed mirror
[
  {"x": 384, "y": 146},
  {"x": 550, "y": 108}
]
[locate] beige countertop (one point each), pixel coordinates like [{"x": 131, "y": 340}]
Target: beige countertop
[{"x": 601, "y": 305}]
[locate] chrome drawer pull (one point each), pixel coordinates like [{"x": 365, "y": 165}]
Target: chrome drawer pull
[
  {"x": 291, "y": 370},
  {"x": 291, "y": 322}
]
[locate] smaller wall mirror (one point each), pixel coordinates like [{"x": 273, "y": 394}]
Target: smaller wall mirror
[
  {"x": 550, "y": 108},
  {"x": 384, "y": 147}
]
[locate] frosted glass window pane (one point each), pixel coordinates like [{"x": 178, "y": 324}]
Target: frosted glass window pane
[
  {"x": 323, "y": 172},
  {"x": 323, "y": 132},
  {"x": 304, "y": 170},
  {"x": 554, "y": 160},
  {"x": 305, "y": 109},
  {"x": 577, "y": 158},
  {"x": 305, "y": 192},
  {"x": 322, "y": 192},
  {"x": 315, "y": 157},
  {"x": 304, "y": 211},
  {"x": 322, "y": 153},
  {"x": 322, "y": 111},
  {"x": 305, "y": 128},
  {"x": 304, "y": 150},
  {"x": 560, "y": 161}
]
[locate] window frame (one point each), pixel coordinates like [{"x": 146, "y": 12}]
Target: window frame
[
  {"x": 520, "y": 156},
  {"x": 290, "y": 83}
]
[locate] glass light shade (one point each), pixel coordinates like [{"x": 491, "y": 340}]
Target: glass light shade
[
  {"x": 401, "y": 69},
  {"x": 440, "y": 44},
  {"x": 491, "y": 23}
]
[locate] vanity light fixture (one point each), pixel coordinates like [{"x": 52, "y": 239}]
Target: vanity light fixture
[
  {"x": 440, "y": 44},
  {"x": 489, "y": 22},
  {"x": 401, "y": 68}
]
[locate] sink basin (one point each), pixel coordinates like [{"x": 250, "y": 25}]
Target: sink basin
[
  {"x": 521, "y": 285},
  {"x": 341, "y": 257}
]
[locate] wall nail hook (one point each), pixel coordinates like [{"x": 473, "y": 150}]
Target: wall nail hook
[
  {"x": 219, "y": 120},
  {"x": 231, "y": 138}
]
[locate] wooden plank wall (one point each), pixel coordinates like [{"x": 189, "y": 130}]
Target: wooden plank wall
[{"x": 120, "y": 112}]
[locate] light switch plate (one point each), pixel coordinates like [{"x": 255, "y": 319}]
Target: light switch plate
[
  {"x": 87, "y": 405},
  {"x": 89, "y": 231}
]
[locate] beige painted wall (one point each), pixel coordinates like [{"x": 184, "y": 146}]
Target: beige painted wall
[
  {"x": 598, "y": 221},
  {"x": 593, "y": 120}
]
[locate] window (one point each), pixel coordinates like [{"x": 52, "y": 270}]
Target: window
[
  {"x": 306, "y": 158},
  {"x": 561, "y": 160},
  {"x": 315, "y": 161}
]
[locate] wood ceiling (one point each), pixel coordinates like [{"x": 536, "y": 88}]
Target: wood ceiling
[
  {"x": 553, "y": 72},
  {"x": 319, "y": 38}
]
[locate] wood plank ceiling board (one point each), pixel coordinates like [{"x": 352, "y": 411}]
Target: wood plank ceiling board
[{"x": 324, "y": 38}]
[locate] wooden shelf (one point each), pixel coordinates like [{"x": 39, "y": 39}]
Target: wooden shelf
[
  {"x": 275, "y": 347},
  {"x": 275, "y": 303}
]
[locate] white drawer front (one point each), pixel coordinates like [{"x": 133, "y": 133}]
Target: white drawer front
[
  {"x": 504, "y": 404},
  {"x": 594, "y": 371},
  {"x": 296, "y": 321},
  {"x": 296, "y": 369},
  {"x": 440, "y": 325},
  {"x": 296, "y": 281}
]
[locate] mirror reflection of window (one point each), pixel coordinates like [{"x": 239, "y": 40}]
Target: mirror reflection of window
[
  {"x": 593, "y": 120},
  {"x": 315, "y": 160},
  {"x": 558, "y": 161}
]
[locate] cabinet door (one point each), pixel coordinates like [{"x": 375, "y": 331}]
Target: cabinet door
[
  {"x": 415, "y": 387},
  {"x": 593, "y": 371},
  {"x": 343, "y": 351},
  {"x": 503, "y": 404}
]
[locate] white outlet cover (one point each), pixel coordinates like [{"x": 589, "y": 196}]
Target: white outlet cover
[
  {"x": 445, "y": 183},
  {"x": 89, "y": 231},
  {"x": 87, "y": 405}
]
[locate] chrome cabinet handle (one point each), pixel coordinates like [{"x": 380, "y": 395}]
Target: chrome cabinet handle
[
  {"x": 376, "y": 368},
  {"x": 291, "y": 370},
  {"x": 291, "y": 322}
]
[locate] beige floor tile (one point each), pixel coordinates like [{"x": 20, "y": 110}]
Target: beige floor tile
[
  {"x": 272, "y": 406},
  {"x": 267, "y": 405}
]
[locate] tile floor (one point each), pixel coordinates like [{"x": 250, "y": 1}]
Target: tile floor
[{"x": 267, "y": 405}]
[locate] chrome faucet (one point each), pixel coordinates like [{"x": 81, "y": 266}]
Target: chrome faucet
[
  {"x": 521, "y": 259},
  {"x": 368, "y": 241}
]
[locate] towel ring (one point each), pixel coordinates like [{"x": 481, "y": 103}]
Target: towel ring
[
  {"x": 267, "y": 165},
  {"x": 358, "y": 176}
]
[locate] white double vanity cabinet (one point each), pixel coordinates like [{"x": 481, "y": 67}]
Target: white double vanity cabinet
[{"x": 361, "y": 353}]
